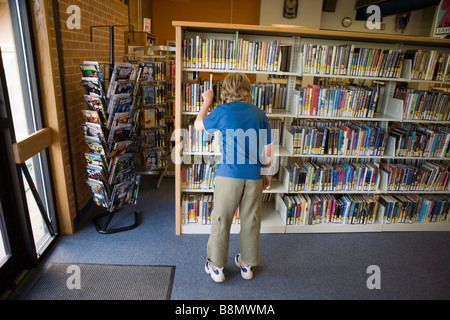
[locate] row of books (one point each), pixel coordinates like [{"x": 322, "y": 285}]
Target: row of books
[
  {"x": 269, "y": 96},
  {"x": 350, "y": 60},
  {"x": 266, "y": 96},
  {"x": 276, "y": 127},
  {"x": 201, "y": 141},
  {"x": 304, "y": 209},
  {"x": 310, "y": 176},
  {"x": 153, "y": 117},
  {"x": 153, "y": 94},
  {"x": 157, "y": 70},
  {"x": 429, "y": 65},
  {"x": 413, "y": 208},
  {"x": 421, "y": 141},
  {"x": 424, "y": 105},
  {"x": 337, "y": 101},
  {"x": 198, "y": 176},
  {"x": 197, "y": 208},
  {"x": 338, "y": 138},
  {"x": 192, "y": 94},
  {"x": 154, "y": 159},
  {"x": 428, "y": 176},
  {"x": 153, "y": 138},
  {"x": 236, "y": 54}
]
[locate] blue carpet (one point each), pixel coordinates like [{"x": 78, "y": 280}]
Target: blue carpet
[{"x": 413, "y": 265}]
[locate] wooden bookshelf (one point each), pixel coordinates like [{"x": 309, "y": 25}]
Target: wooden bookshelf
[{"x": 390, "y": 111}]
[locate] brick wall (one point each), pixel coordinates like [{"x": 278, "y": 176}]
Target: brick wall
[{"x": 76, "y": 48}]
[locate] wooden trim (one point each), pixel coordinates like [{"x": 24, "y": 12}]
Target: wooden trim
[
  {"x": 33, "y": 144},
  {"x": 312, "y": 33},
  {"x": 66, "y": 212}
]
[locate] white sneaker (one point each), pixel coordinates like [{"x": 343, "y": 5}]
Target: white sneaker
[
  {"x": 216, "y": 273},
  {"x": 246, "y": 272}
]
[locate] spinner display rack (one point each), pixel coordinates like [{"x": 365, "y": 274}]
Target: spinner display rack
[{"x": 111, "y": 120}]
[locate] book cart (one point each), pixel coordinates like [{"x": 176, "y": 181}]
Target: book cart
[
  {"x": 359, "y": 149},
  {"x": 111, "y": 123}
]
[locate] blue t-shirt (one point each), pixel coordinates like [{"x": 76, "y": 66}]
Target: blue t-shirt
[{"x": 245, "y": 131}]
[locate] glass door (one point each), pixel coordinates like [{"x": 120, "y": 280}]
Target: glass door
[{"x": 28, "y": 222}]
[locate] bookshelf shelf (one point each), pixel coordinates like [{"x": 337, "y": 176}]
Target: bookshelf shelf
[
  {"x": 338, "y": 156},
  {"x": 426, "y": 121},
  {"x": 334, "y": 227},
  {"x": 279, "y": 73},
  {"x": 376, "y": 117},
  {"x": 353, "y": 77},
  {"x": 425, "y": 226},
  {"x": 276, "y": 187},
  {"x": 387, "y": 114}
]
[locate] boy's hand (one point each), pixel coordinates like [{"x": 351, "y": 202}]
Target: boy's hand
[
  {"x": 208, "y": 96},
  {"x": 266, "y": 182}
]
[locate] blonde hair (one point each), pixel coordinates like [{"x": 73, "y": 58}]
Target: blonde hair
[{"x": 236, "y": 87}]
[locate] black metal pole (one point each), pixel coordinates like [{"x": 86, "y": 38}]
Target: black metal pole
[
  {"x": 37, "y": 198},
  {"x": 111, "y": 45}
]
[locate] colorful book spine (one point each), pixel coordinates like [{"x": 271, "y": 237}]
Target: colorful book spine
[
  {"x": 304, "y": 209},
  {"x": 237, "y": 54},
  {"x": 344, "y": 176}
]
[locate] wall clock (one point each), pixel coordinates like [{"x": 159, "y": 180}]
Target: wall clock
[{"x": 346, "y": 22}]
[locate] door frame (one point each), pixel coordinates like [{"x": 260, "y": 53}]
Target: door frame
[
  {"x": 13, "y": 205},
  {"x": 58, "y": 148}
]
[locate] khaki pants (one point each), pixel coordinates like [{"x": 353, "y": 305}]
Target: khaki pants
[{"x": 229, "y": 193}]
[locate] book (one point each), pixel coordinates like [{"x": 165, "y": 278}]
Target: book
[
  {"x": 153, "y": 94},
  {"x": 120, "y": 162},
  {"x": 154, "y": 159},
  {"x": 91, "y": 69},
  {"x": 99, "y": 194},
  {"x": 123, "y": 73},
  {"x": 93, "y": 86}
]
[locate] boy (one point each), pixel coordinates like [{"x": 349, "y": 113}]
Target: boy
[{"x": 240, "y": 177}]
